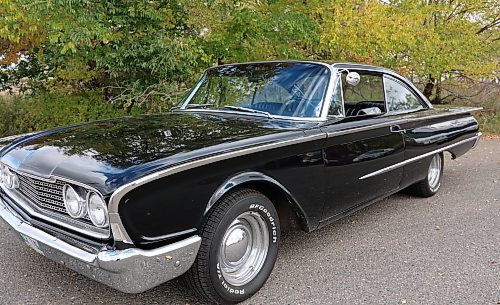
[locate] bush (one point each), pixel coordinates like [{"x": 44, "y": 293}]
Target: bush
[{"x": 22, "y": 114}]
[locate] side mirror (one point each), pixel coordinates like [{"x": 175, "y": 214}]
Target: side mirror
[{"x": 352, "y": 78}]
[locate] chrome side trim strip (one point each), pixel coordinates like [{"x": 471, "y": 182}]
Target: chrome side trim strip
[
  {"x": 398, "y": 165},
  {"x": 119, "y": 231},
  {"x": 176, "y": 234},
  {"x": 479, "y": 134},
  {"x": 400, "y": 121}
]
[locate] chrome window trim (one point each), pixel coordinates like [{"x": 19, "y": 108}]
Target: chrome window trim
[
  {"x": 334, "y": 68},
  {"x": 428, "y": 154},
  {"x": 191, "y": 94},
  {"x": 337, "y": 81},
  {"x": 117, "y": 227},
  {"x": 325, "y": 102},
  {"x": 52, "y": 217}
]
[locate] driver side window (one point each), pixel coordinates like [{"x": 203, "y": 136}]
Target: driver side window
[{"x": 365, "y": 97}]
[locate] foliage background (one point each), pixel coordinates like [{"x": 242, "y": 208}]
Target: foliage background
[{"x": 68, "y": 61}]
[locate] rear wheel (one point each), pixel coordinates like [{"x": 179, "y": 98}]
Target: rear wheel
[
  {"x": 430, "y": 185},
  {"x": 239, "y": 247}
]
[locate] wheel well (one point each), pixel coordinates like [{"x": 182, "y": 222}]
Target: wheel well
[{"x": 291, "y": 218}]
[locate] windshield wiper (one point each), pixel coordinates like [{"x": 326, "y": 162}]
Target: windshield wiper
[
  {"x": 243, "y": 109},
  {"x": 192, "y": 106}
]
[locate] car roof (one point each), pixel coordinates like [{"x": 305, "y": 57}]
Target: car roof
[{"x": 338, "y": 64}]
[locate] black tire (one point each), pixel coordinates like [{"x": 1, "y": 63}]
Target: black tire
[
  {"x": 424, "y": 188},
  {"x": 206, "y": 276}
]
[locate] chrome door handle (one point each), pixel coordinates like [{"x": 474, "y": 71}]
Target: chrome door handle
[{"x": 397, "y": 129}]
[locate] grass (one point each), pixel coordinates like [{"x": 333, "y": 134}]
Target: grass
[{"x": 489, "y": 122}]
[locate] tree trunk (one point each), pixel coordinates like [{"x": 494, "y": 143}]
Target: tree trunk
[
  {"x": 428, "y": 87},
  {"x": 129, "y": 106},
  {"x": 437, "y": 98}
]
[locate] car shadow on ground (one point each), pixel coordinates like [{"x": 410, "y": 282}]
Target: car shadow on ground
[{"x": 81, "y": 290}]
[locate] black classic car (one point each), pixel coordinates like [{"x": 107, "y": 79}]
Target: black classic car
[{"x": 205, "y": 191}]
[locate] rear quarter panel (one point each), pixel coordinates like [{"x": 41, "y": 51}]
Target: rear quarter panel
[{"x": 436, "y": 129}]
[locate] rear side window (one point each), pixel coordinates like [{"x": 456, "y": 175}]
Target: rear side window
[
  {"x": 399, "y": 97},
  {"x": 364, "y": 98}
]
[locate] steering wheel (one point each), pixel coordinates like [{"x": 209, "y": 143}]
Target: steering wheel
[
  {"x": 289, "y": 106},
  {"x": 297, "y": 92}
]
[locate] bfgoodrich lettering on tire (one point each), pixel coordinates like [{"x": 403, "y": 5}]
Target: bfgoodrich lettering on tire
[{"x": 240, "y": 239}]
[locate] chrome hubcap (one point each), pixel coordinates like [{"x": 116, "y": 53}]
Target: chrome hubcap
[
  {"x": 244, "y": 248},
  {"x": 434, "y": 172}
]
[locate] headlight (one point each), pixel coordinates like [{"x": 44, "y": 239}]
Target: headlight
[
  {"x": 98, "y": 212},
  {"x": 8, "y": 178},
  {"x": 74, "y": 203},
  {"x": 2, "y": 174},
  {"x": 14, "y": 181}
]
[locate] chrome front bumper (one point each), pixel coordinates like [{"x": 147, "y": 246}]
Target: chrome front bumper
[{"x": 132, "y": 270}]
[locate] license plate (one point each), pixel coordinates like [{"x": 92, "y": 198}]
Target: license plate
[{"x": 33, "y": 244}]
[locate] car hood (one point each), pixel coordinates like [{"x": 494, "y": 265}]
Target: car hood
[{"x": 108, "y": 154}]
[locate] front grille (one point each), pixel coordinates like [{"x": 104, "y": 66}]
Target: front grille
[{"x": 45, "y": 195}]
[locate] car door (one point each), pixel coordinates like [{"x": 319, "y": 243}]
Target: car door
[{"x": 359, "y": 144}]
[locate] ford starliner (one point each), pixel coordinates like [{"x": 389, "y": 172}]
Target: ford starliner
[{"x": 206, "y": 190}]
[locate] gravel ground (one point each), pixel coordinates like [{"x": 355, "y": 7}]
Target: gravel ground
[{"x": 401, "y": 250}]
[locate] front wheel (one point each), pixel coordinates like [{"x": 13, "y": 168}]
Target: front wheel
[
  {"x": 430, "y": 185},
  {"x": 239, "y": 246}
]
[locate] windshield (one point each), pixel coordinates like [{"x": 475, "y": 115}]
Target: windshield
[{"x": 289, "y": 89}]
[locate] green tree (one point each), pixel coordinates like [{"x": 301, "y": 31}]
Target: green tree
[
  {"x": 430, "y": 41},
  {"x": 134, "y": 50}
]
